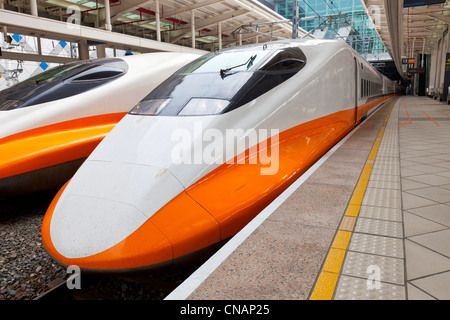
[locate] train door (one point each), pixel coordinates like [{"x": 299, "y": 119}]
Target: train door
[{"x": 356, "y": 91}]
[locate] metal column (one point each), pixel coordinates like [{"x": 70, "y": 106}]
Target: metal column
[
  {"x": 108, "y": 25},
  {"x": 193, "y": 27},
  {"x": 158, "y": 25}
]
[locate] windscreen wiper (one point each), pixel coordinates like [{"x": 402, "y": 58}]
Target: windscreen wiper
[{"x": 249, "y": 63}]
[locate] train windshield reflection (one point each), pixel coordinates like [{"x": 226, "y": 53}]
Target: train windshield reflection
[{"x": 214, "y": 62}]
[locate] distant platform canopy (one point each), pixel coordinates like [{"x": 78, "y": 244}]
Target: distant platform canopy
[{"x": 135, "y": 24}]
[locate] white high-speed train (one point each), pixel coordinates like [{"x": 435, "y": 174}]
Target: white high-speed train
[
  {"x": 50, "y": 123},
  {"x": 207, "y": 150}
]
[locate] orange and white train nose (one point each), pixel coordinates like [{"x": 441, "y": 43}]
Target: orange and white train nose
[
  {"x": 115, "y": 223},
  {"x": 127, "y": 213}
]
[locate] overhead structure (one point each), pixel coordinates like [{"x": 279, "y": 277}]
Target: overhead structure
[
  {"x": 146, "y": 26},
  {"x": 386, "y": 18},
  {"x": 410, "y": 27}
]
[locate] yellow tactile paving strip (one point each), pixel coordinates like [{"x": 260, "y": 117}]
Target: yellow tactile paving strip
[{"x": 329, "y": 275}]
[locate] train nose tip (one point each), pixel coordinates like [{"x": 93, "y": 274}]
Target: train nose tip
[
  {"x": 95, "y": 226},
  {"x": 79, "y": 229},
  {"x": 127, "y": 241}
]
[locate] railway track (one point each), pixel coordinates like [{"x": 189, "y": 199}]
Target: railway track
[
  {"x": 27, "y": 272},
  {"x": 110, "y": 288}
]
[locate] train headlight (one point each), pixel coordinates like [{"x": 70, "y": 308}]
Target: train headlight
[
  {"x": 150, "y": 107},
  {"x": 203, "y": 106}
]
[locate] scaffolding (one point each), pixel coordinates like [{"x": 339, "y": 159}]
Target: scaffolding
[{"x": 345, "y": 20}]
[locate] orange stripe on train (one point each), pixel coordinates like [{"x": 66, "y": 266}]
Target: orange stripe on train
[{"x": 53, "y": 144}]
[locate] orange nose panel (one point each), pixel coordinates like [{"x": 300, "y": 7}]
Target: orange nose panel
[
  {"x": 146, "y": 246},
  {"x": 54, "y": 144},
  {"x": 177, "y": 229}
]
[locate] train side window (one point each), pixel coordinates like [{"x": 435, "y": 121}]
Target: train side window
[
  {"x": 287, "y": 59},
  {"x": 99, "y": 73},
  {"x": 102, "y": 71},
  {"x": 59, "y": 73},
  {"x": 362, "y": 88},
  {"x": 63, "y": 82},
  {"x": 286, "y": 65}
]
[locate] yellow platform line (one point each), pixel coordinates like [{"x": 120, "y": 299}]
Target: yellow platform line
[{"x": 328, "y": 277}]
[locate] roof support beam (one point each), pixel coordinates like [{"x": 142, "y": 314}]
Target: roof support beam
[
  {"x": 53, "y": 29},
  {"x": 131, "y": 8},
  {"x": 394, "y": 19},
  {"x": 158, "y": 25},
  {"x": 219, "y": 34},
  {"x": 168, "y": 14},
  {"x": 193, "y": 28},
  {"x": 180, "y": 34},
  {"x": 436, "y": 31},
  {"x": 35, "y": 57},
  {"x": 445, "y": 19},
  {"x": 199, "y": 4},
  {"x": 108, "y": 25},
  {"x": 34, "y": 9}
]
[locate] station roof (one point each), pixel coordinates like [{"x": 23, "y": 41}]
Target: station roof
[
  {"x": 134, "y": 23},
  {"x": 409, "y": 27}
]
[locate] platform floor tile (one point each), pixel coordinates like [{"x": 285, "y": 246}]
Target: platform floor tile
[{"x": 402, "y": 230}]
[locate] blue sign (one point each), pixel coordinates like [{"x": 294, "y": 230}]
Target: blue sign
[
  {"x": 16, "y": 37},
  {"x": 43, "y": 65}
]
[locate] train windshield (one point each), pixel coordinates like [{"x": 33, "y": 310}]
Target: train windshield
[
  {"x": 62, "y": 82},
  {"x": 59, "y": 73},
  {"x": 81, "y": 71},
  {"x": 232, "y": 60},
  {"x": 220, "y": 82}
]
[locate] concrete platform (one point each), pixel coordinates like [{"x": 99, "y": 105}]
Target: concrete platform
[{"x": 371, "y": 220}]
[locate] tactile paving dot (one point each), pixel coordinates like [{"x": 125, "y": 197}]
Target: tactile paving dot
[
  {"x": 379, "y": 227},
  {"x": 384, "y": 184},
  {"x": 390, "y": 198},
  {"x": 386, "y": 165},
  {"x": 388, "y": 151},
  {"x": 363, "y": 265},
  {"x": 392, "y": 147},
  {"x": 383, "y": 246},
  {"x": 393, "y": 172},
  {"x": 351, "y": 288},
  {"x": 392, "y": 214},
  {"x": 385, "y": 177}
]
